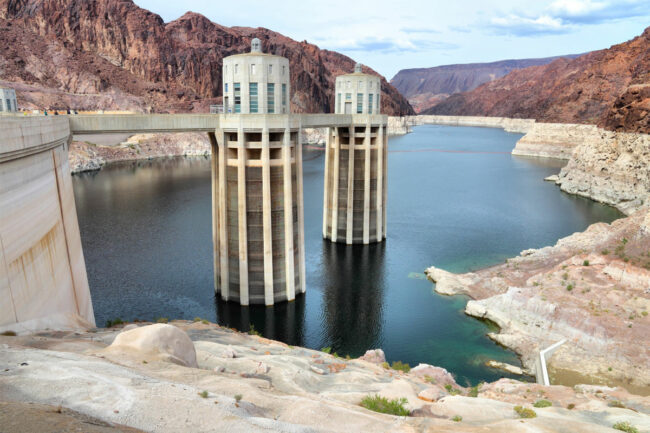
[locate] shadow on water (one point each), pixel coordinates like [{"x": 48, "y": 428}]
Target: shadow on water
[
  {"x": 284, "y": 321},
  {"x": 353, "y": 296}
]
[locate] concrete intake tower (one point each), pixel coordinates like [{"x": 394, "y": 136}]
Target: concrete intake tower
[
  {"x": 258, "y": 215},
  {"x": 354, "y": 207}
]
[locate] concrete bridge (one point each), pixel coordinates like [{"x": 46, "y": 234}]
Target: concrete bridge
[{"x": 43, "y": 281}]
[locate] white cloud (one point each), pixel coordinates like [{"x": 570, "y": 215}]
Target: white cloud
[{"x": 562, "y": 16}]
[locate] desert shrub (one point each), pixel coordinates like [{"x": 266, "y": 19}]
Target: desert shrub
[
  {"x": 525, "y": 412},
  {"x": 114, "y": 322},
  {"x": 203, "y": 394},
  {"x": 326, "y": 349},
  {"x": 626, "y": 427},
  {"x": 451, "y": 390},
  {"x": 381, "y": 404},
  {"x": 604, "y": 252},
  {"x": 401, "y": 366},
  {"x": 238, "y": 397},
  {"x": 570, "y": 406},
  {"x": 473, "y": 391},
  {"x": 162, "y": 320},
  {"x": 253, "y": 331},
  {"x": 616, "y": 403},
  {"x": 585, "y": 263},
  {"x": 457, "y": 418},
  {"x": 569, "y": 287},
  {"x": 543, "y": 403}
]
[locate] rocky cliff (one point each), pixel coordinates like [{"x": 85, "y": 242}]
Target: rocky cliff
[
  {"x": 607, "y": 87},
  {"x": 424, "y": 87},
  {"x": 111, "y": 54}
]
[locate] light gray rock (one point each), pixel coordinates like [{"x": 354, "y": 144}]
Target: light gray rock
[
  {"x": 376, "y": 356},
  {"x": 162, "y": 341}
]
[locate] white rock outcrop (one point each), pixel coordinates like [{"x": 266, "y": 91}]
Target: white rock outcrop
[{"x": 159, "y": 341}]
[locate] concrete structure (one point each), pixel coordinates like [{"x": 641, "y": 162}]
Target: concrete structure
[
  {"x": 43, "y": 282},
  {"x": 8, "y": 103},
  {"x": 354, "y": 208},
  {"x": 256, "y": 83},
  {"x": 258, "y": 217},
  {"x": 257, "y": 190}
]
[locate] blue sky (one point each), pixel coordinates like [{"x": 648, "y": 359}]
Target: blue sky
[{"x": 392, "y": 35}]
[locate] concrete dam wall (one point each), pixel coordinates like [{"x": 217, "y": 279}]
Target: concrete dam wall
[{"x": 43, "y": 282}]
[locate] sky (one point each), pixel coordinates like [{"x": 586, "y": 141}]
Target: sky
[{"x": 393, "y": 35}]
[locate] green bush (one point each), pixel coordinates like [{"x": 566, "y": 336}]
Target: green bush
[
  {"x": 616, "y": 403},
  {"x": 604, "y": 252},
  {"x": 203, "y": 394},
  {"x": 162, "y": 320},
  {"x": 238, "y": 397},
  {"x": 451, "y": 390},
  {"x": 399, "y": 365},
  {"x": 253, "y": 331},
  {"x": 626, "y": 427},
  {"x": 585, "y": 263},
  {"x": 114, "y": 322},
  {"x": 457, "y": 418},
  {"x": 569, "y": 287},
  {"x": 473, "y": 391},
  {"x": 326, "y": 349},
  {"x": 525, "y": 412},
  {"x": 543, "y": 403},
  {"x": 571, "y": 406},
  {"x": 380, "y": 404}
]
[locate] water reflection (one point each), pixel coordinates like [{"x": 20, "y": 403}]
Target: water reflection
[
  {"x": 354, "y": 296},
  {"x": 284, "y": 321}
]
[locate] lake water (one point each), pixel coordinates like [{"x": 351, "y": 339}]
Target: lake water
[{"x": 457, "y": 199}]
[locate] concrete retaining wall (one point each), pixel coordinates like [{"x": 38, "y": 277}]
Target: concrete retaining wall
[{"x": 43, "y": 282}]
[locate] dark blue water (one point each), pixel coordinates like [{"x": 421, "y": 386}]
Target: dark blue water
[{"x": 457, "y": 199}]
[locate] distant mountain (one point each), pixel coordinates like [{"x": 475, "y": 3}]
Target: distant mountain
[
  {"x": 112, "y": 54},
  {"x": 424, "y": 87},
  {"x": 609, "y": 87}
]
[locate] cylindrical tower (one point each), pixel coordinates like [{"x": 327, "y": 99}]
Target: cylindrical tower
[
  {"x": 354, "y": 208},
  {"x": 256, "y": 83},
  {"x": 258, "y": 215}
]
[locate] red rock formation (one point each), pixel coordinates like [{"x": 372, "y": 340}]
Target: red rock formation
[
  {"x": 607, "y": 87},
  {"x": 426, "y": 87},
  {"x": 98, "y": 46}
]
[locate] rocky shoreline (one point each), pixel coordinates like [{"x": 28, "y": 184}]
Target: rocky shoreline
[
  {"x": 591, "y": 288},
  {"x": 197, "y": 376}
]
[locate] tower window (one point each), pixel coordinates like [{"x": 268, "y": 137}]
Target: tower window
[
  {"x": 225, "y": 88},
  {"x": 359, "y": 103},
  {"x": 349, "y": 84},
  {"x": 237, "y": 89},
  {"x": 284, "y": 96},
  {"x": 360, "y": 85},
  {"x": 270, "y": 69},
  {"x": 348, "y": 96},
  {"x": 283, "y": 69},
  {"x": 370, "y": 103},
  {"x": 236, "y": 68},
  {"x": 253, "y": 69},
  {"x": 252, "y": 90},
  {"x": 270, "y": 97},
  {"x": 338, "y": 109},
  {"x": 225, "y": 69}
]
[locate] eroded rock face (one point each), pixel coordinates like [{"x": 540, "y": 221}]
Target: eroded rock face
[
  {"x": 138, "y": 62},
  {"x": 612, "y": 168},
  {"x": 606, "y": 87},
  {"x": 160, "y": 340}
]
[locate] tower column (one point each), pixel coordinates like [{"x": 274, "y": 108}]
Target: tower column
[
  {"x": 334, "y": 175},
  {"x": 350, "y": 205},
  {"x": 288, "y": 216},
  {"x": 267, "y": 218},
  {"x": 381, "y": 198},
  {"x": 241, "y": 214},
  {"x": 366, "y": 185}
]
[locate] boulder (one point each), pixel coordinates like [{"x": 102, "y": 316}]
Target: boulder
[
  {"x": 376, "y": 356},
  {"x": 437, "y": 375},
  {"x": 161, "y": 341}
]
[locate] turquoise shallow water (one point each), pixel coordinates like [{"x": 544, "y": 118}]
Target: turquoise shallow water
[{"x": 457, "y": 200}]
